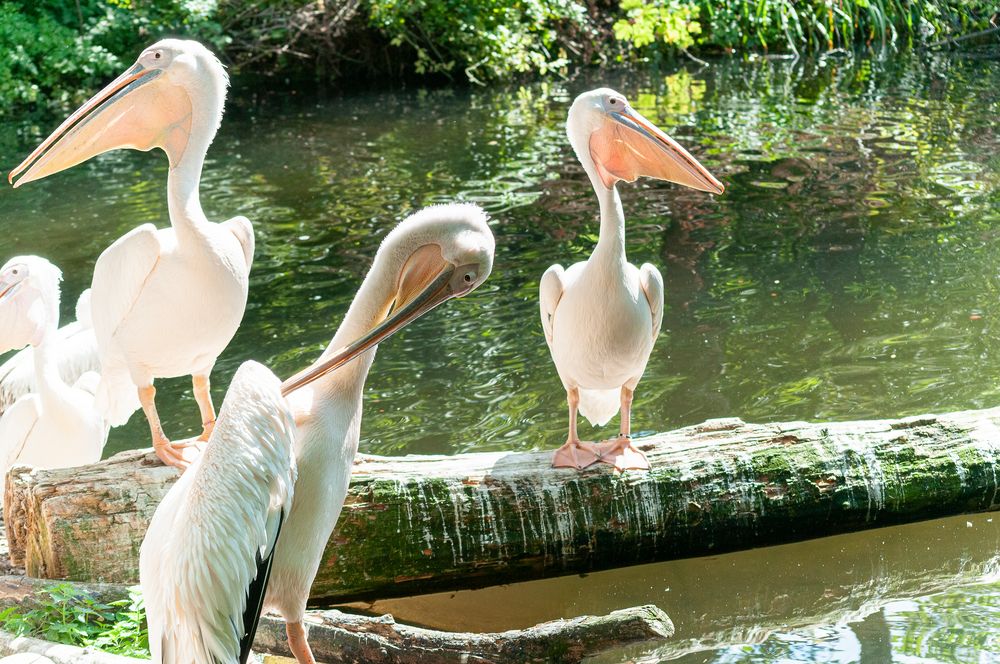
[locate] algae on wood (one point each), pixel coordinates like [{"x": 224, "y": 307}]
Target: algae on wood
[{"x": 424, "y": 523}]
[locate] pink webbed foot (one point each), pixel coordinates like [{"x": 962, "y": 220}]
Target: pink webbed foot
[
  {"x": 622, "y": 454},
  {"x": 575, "y": 454}
]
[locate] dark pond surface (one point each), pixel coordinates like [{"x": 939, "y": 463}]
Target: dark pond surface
[
  {"x": 849, "y": 271},
  {"x": 924, "y": 592}
]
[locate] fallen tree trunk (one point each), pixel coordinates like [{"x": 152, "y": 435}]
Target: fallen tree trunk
[
  {"x": 342, "y": 637},
  {"x": 423, "y": 523}
]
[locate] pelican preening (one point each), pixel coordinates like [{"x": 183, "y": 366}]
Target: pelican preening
[
  {"x": 56, "y": 426},
  {"x": 213, "y": 541},
  {"x": 75, "y": 355},
  {"x": 165, "y": 302},
  {"x": 601, "y": 317}
]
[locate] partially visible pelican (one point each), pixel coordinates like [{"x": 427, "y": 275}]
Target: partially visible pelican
[
  {"x": 76, "y": 356},
  {"x": 601, "y": 317},
  {"x": 213, "y": 541},
  {"x": 57, "y": 426},
  {"x": 165, "y": 302}
]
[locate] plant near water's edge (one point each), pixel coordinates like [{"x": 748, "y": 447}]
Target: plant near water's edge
[{"x": 66, "y": 615}]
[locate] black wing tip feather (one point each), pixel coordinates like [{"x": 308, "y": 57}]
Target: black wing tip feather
[{"x": 255, "y": 596}]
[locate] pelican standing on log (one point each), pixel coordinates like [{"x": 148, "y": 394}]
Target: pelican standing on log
[
  {"x": 57, "y": 425},
  {"x": 214, "y": 540},
  {"x": 165, "y": 302},
  {"x": 601, "y": 317},
  {"x": 75, "y": 355}
]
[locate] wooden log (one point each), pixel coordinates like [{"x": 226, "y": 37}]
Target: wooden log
[
  {"x": 343, "y": 637},
  {"x": 424, "y": 523}
]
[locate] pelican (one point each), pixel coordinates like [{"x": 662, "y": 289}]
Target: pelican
[
  {"x": 76, "y": 356},
  {"x": 213, "y": 541},
  {"x": 165, "y": 302},
  {"x": 601, "y": 316},
  {"x": 56, "y": 427}
]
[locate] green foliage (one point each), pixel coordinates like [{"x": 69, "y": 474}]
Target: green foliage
[
  {"x": 670, "y": 22},
  {"x": 792, "y": 25},
  {"x": 43, "y": 58},
  {"x": 489, "y": 39},
  {"x": 66, "y": 615},
  {"x": 58, "y": 52}
]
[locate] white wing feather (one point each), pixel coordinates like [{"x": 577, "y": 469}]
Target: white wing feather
[
  {"x": 119, "y": 276},
  {"x": 201, "y": 551},
  {"x": 77, "y": 354},
  {"x": 652, "y": 286},
  {"x": 243, "y": 230},
  {"x": 550, "y": 291}
]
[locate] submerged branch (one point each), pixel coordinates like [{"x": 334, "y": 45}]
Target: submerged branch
[{"x": 342, "y": 637}]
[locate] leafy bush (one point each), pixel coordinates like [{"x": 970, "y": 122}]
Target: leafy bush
[
  {"x": 488, "y": 39},
  {"x": 57, "y": 52},
  {"x": 65, "y": 615},
  {"x": 672, "y": 23}
]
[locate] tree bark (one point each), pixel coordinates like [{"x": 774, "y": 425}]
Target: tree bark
[
  {"x": 342, "y": 637},
  {"x": 419, "y": 524}
]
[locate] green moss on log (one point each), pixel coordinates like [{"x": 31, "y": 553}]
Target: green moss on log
[{"x": 418, "y": 524}]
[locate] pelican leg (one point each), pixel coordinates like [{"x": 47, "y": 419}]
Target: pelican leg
[
  {"x": 298, "y": 643},
  {"x": 203, "y": 396},
  {"x": 621, "y": 453},
  {"x": 573, "y": 453},
  {"x": 169, "y": 453}
]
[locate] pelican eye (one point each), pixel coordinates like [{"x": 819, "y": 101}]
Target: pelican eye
[
  {"x": 15, "y": 272},
  {"x": 469, "y": 276},
  {"x": 157, "y": 55}
]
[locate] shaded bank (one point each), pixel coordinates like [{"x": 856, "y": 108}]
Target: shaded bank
[{"x": 60, "y": 52}]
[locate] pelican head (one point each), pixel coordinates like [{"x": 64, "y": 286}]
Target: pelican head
[
  {"x": 173, "y": 95},
  {"x": 434, "y": 255},
  {"x": 29, "y": 301},
  {"x": 606, "y": 131}
]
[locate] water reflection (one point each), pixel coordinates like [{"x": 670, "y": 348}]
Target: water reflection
[
  {"x": 849, "y": 270},
  {"x": 927, "y": 590}
]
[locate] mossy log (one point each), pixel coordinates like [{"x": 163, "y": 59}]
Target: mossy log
[
  {"x": 424, "y": 523},
  {"x": 342, "y": 637}
]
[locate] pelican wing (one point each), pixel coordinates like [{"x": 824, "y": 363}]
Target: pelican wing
[
  {"x": 652, "y": 287},
  {"x": 205, "y": 558},
  {"x": 16, "y": 426},
  {"x": 550, "y": 291},
  {"x": 76, "y": 355},
  {"x": 120, "y": 275},
  {"x": 243, "y": 230}
]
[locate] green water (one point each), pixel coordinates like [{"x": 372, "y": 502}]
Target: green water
[{"x": 849, "y": 271}]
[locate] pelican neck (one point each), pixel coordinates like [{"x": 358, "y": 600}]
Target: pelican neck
[
  {"x": 611, "y": 242},
  {"x": 369, "y": 308},
  {"x": 49, "y": 383},
  {"x": 183, "y": 192}
]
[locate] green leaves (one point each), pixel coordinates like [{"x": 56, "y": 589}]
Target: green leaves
[
  {"x": 670, "y": 22},
  {"x": 66, "y": 615}
]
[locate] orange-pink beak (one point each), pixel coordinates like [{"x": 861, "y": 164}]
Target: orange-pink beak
[
  {"x": 136, "y": 110},
  {"x": 628, "y": 146}
]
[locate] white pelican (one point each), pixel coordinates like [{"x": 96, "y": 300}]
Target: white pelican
[
  {"x": 165, "y": 302},
  {"x": 213, "y": 541},
  {"x": 77, "y": 355},
  {"x": 602, "y": 316},
  {"x": 56, "y": 427}
]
